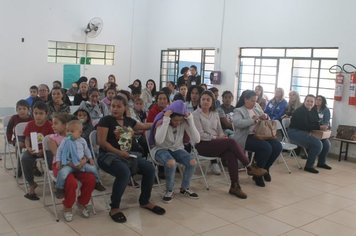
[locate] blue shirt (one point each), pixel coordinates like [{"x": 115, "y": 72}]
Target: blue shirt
[{"x": 275, "y": 110}]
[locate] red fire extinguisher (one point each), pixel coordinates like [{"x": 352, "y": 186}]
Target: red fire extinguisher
[
  {"x": 339, "y": 82},
  {"x": 339, "y": 88},
  {"x": 352, "y": 88},
  {"x": 352, "y": 95}
]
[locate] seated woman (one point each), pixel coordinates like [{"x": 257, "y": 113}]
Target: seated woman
[
  {"x": 226, "y": 110},
  {"x": 293, "y": 103},
  {"x": 149, "y": 93},
  {"x": 56, "y": 104},
  {"x": 304, "y": 120},
  {"x": 214, "y": 143},
  {"x": 323, "y": 110},
  {"x": 276, "y": 107},
  {"x": 82, "y": 94},
  {"x": 169, "y": 128},
  {"x": 162, "y": 102},
  {"x": 261, "y": 98},
  {"x": 115, "y": 161},
  {"x": 95, "y": 108},
  {"x": 246, "y": 115},
  {"x": 192, "y": 99}
]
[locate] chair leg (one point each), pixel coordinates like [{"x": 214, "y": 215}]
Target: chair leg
[
  {"x": 203, "y": 173},
  {"x": 285, "y": 163},
  {"x": 294, "y": 155},
  {"x": 223, "y": 170},
  {"x": 93, "y": 207}
]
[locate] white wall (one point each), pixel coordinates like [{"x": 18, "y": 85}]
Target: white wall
[
  {"x": 25, "y": 64},
  {"x": 140, "y": 29}
]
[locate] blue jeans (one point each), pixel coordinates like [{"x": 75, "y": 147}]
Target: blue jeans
[
  {"x": 66, "y": 170},
  {"x": 180, "y": 156},
  {"x": 112, "y": 164},
  {"x": 314, "y": 146},
  {"x": 266, "y": 151}
]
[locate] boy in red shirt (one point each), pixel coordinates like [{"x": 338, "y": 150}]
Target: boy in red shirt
[{"x": 42, "y": 127}]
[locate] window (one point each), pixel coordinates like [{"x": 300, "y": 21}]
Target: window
[
  {"x": 173, "y": 60},
  {"x": 77, "y": 53},
  {"x": 305, "y": 70}
]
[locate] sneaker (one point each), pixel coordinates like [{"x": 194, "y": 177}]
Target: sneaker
[
  {"x": 324, "y": 166},
  {"x": 84, "y": 211},
  {"x": 68, "y": 216},
  {"x": 99, "y": 187},
  {"x": 189, "y": 193},
  {"x": 256, "y": 171},
  {"x": 168, "y": 197},
  {"x": 215, "y": 169},
  {"x": 59, "y": 193},
  {"x": 311, "y": 170}
]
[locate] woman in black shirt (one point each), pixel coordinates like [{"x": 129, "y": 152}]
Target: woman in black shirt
[
  {"x": 304, "y": 120},
  {"x": 114, "y": 133}
]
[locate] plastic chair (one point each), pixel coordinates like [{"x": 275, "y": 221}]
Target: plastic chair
[
  {"x": 19, "y": 131},
  {"x": 9, "y": 149},
  {"x": 48, "y": 179},
  {"x": 286, "y": 144},
  {"x": 201, "y": 158}
]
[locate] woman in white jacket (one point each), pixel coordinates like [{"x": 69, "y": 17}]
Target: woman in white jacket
[{"x": 170, "y": 128}]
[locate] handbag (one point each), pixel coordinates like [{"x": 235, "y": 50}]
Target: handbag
[
  {"x": 346, "y": 132},
  {"x": 266, "y": 129}
]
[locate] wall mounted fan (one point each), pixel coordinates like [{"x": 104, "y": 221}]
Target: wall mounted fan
[{"x": 94, "y": 27}]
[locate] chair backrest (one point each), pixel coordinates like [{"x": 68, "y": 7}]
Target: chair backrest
[
  {"x": 73, "y": 108},
  {"x": 286, "y": 122},
  {"x": 19, "y": 131},
  {"x": 45, "y": 143},
  {"x": 5, "y": 121},
  {"x": 93, "y": 143},
  {"x": 147, "y": 134}
]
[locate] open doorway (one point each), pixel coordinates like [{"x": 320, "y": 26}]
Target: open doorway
[{"x": 173, "y": 60}]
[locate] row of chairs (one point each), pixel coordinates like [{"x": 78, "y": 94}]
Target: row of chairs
[{"x": 49, "y": 179}]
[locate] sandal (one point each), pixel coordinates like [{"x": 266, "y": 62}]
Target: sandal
[
  {"x": 156, "y": 209},
  {"x": 118, "y": 217},
  {"x": 32, "y": 196}
]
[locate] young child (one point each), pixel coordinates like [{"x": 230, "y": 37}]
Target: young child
[
  {"x": 33, "y": 95},
  {"x": 109, "y": 94},
  {"x": 84, "y": 117},
  {"x": 23, "y": 115},
  {"x": 41, "y": 127},
  {"x": 72, "y": 156},
  {"x": 138, "y": 110}
]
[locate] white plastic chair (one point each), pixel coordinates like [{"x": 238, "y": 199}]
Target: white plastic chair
[
  {"x": 286, "y": 144},
  {"x": 201, "y": 159},
  {"x": 19, "y": 131},
  {"x": 73, "y": 108},
  {"x": 9, "y": 149},
  {"x": 48, "y": 179},
  {"x": 285, "y": 124}
]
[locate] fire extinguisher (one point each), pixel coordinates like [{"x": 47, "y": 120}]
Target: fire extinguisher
[
  {"x": 339, "y": 85},
  {"x": 352, "y": 88}
]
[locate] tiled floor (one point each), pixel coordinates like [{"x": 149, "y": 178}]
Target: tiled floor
[{"x": 292, "y": 204}]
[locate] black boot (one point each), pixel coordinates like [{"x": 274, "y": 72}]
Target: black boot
[{"x": 259, "y": 181}]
